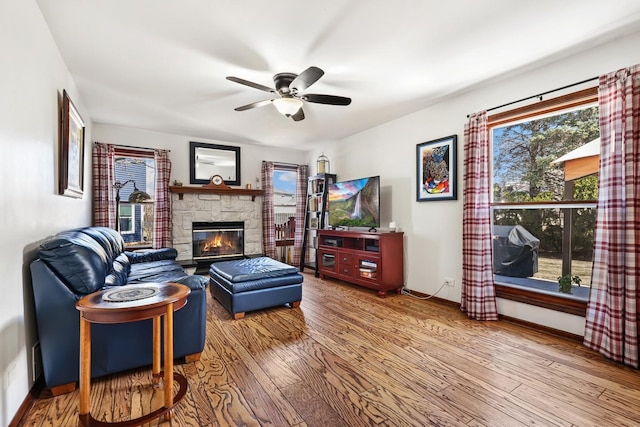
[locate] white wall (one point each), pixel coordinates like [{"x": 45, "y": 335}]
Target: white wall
[
  {"x": 32, "y": 78},
  {"x": 251, "y": 156},
  {"x": 433, "y": 230}
]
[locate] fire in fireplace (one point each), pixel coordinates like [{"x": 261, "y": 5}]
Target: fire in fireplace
[{"x": 218, "y": 240}]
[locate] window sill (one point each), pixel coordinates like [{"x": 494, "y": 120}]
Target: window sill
[
  {"x": 551, "y": 302},
  {"x": 133, "y": 248}
]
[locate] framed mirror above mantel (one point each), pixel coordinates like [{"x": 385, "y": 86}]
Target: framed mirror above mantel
[{"x": 207, "y": 160}]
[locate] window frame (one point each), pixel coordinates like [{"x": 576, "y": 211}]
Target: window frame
[
  {"x": 140, "y": 154},
  {"x": 291, "y": 169},
  {"x": 564, "y": 102},
  {"x": 132, "y": 216}
]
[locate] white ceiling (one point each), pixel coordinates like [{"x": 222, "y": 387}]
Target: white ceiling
[{"x": 161, "y": 65}]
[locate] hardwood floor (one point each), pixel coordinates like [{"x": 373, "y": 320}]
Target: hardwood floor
[{"x": 348, "y": 358}]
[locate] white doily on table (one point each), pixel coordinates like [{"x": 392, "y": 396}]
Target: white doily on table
[{"x": 127, "y": 295}]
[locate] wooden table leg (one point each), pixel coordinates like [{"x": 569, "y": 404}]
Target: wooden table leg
[
  {"x": 168, "y": 359},
  {"x": 155, "y": 369},
  {"x": 85, "y": 367}
]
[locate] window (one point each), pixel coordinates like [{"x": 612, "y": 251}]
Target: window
[
  {"x": 284, "y": 206},
  {"x": 127, "y": 220},
  {"x": 135, "y": 189},
  {"x": 545, "y": 182},
  {"x": 284, "y": 194}
]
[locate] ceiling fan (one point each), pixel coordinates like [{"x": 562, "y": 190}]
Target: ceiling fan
[{"x": 290, "y": 88}]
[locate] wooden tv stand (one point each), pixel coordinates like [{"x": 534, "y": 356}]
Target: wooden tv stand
[{"x": 374, "y": 260}]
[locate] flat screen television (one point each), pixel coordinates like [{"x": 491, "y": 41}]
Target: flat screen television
[{"x": 355, "y": 203}]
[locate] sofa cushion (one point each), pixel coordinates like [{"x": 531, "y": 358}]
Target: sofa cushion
[
  {"x": 78, "y": 260},
  {"x": 152, "y": 255},
  {"x": 156, "y": 271},
  {"x": 119, "y": 272},
  {"x": 110, "y": 240}
]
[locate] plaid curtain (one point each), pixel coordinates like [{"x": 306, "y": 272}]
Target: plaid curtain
[
  {"x": 478, "y": 290},
  {"x": 612, "y": 312},
  {"x": 268, "y": 216},
  {"x": 301, "y": 207},
  {"x": 162, "y": 204},
  {"x": 104, "y": 202}
]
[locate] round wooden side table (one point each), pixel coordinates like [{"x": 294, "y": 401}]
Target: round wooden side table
[{"x": 131, "y": 303}]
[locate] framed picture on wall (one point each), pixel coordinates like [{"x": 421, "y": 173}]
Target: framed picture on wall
[
  {"x": 71, "y": 153},
  {"x": 436, "y": 169}
]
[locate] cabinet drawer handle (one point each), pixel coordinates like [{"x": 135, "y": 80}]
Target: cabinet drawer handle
[{"x": 345, "y": 270}]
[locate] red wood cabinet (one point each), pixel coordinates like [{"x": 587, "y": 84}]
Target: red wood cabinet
[{"x": 374, "y": 260}]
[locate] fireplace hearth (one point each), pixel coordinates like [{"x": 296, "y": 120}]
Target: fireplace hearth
[{"x": 217, "y": 241}]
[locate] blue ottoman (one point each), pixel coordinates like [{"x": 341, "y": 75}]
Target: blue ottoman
[{"x": 254, "y": 283}]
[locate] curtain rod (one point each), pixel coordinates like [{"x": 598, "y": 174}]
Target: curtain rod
[
  {"x": 540, "y": 94},
  {"x": 284, "y": 164},
  {"x": 133, "y": 147}
]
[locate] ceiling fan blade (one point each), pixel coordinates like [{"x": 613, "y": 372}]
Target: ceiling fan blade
[
  {"x": 326, "y": 99},
  {"x": 298, "y": 116},
  {"x": 254, "y": 105},
  {"x": 306, "y": 79},
  {"x": 251, "y": 84}
]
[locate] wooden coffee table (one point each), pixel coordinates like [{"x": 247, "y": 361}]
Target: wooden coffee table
[{"x": 131, "y": 303}]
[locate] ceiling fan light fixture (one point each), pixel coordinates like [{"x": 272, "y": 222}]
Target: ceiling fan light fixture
[
  {"x": 287, "y": 106},
  {"x": 289, "y": 91}
]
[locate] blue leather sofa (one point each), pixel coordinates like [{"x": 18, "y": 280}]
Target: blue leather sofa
[{"x": 78, "y": 262}]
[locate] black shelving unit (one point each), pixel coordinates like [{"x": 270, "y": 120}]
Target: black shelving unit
[{"x": 316, "y": 218}]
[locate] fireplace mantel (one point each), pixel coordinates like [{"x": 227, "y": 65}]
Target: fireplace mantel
[{"x": 180, "y": 190}]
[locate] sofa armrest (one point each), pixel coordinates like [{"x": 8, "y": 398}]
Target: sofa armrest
[
  {"x": 152, "y": 255},
  {"x": 58, "y": 325},
  {"x": 194, "y": 282}
]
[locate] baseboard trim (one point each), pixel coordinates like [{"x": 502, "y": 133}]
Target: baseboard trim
[
  {"x": 516, "y": 321},
  {"x": 27, "y": 403},
  {"x": 442, "y": 301},
  {"x": 542, "y": 328}
]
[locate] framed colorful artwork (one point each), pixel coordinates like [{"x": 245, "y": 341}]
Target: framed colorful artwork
[
  {"x": 436, "y": 169},
  {"x": 71, "y": 173}
]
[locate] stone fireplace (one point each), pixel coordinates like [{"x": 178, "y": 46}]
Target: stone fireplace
[{"x": 189, "y": 209}]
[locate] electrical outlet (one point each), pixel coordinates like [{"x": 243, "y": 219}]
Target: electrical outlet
[
  {"x": 448, "y": 281},
  {"x": 10, "y": 374}
]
